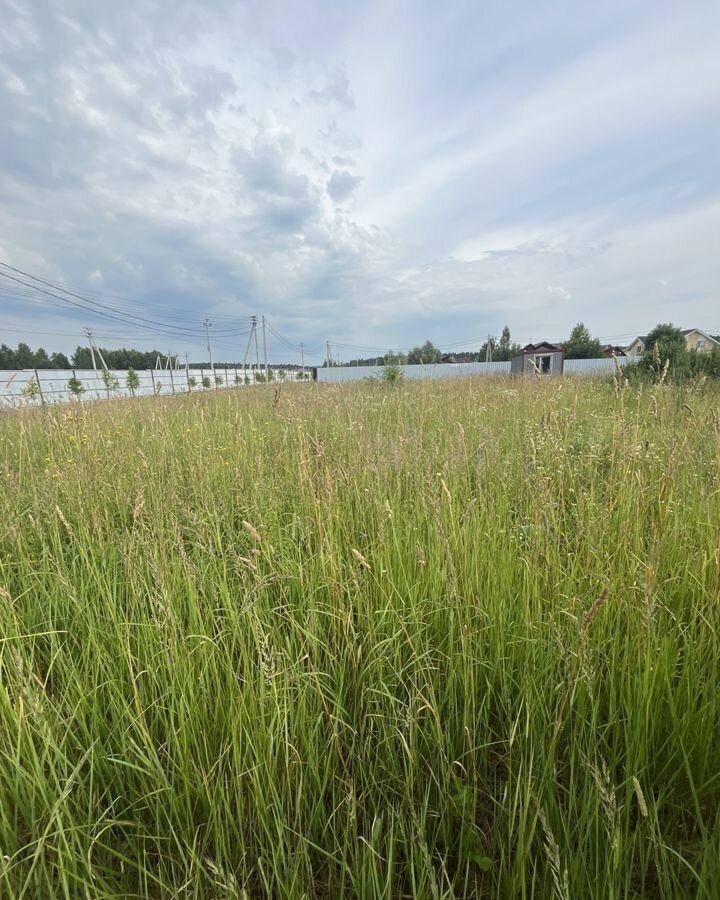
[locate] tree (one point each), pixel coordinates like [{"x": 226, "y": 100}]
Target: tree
[
  {"x": 427, "y": 354},
  {"x": 392, "y": 374},
  {"x": 24, "y": 357},
  {"x": 132, "y": 381},
  {"x": 110, "y": 381},
  {"x": 581, "y": 344},
  {"x": 7, "y": 357},
  {"x": 41, "y": 360},
  {"x": 665, "y": 344},
  {"x": 59, "y": 361},
  {"x": 506, "y": 348},
  {"x": 76, "y": 387}
]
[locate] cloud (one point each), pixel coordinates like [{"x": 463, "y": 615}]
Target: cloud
[
  {"x": 342, "y": 184},
  {"x": 536, "y": 169},
  {"x": 560, "y": 292},
  {"x": 336, "y": 90}
]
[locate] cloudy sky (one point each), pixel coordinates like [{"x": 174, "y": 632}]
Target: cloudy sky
[{"x": 369, "y": 173}]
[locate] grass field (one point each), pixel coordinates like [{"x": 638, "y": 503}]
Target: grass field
[{"x": 451, "y": 640}]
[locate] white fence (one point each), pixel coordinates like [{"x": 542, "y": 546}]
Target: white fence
[
  {"x": 437, "y": 370},
  {"x": 35, "y": 387},
  {"x": 336, "y": 374}
]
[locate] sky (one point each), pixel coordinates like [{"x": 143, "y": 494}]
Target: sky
[{"x": 368, "y": 174}]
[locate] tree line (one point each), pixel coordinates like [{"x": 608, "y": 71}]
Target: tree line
[
  {"x": 23, "y": 357},
  {"x": 580, "y": 345}
]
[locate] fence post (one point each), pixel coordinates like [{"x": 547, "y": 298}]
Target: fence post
[
  {"x": 152, "y": 378},
  {"x": 40, "y": 390}
]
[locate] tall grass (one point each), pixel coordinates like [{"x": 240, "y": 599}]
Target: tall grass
[{"x": 448, "y": 641}]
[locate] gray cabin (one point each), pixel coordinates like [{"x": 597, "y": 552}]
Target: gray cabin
[{"x": 542, "y": 359}]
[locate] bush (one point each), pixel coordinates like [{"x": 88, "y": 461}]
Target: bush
[
  {"x": 392, "y": 374},
  {"x": 132, "y": 381},
  {"x": 75, "y": 387}
]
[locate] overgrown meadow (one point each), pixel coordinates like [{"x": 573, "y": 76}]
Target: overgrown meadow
[{"x": 435, "y": 640}]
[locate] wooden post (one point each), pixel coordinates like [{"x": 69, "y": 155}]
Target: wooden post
[
  {"x": 172, "y": 380},
  {"x": 42, "y": 396},
  {"x": 152, "y": 376}
]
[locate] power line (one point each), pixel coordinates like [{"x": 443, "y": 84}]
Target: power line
[{"x": 95, "y": 303}]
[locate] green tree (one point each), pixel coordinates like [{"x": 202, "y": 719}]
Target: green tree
[
  {"x": 59, "y": 361},
  {"x": 581, "y": 344},
  {"x": 110, "y": 381},
  {"x": 392, "y": 374},
  {"x": 75, "y": 387},
  {"x": 132, "y": 381},
  {"x": 41, "y": 360},
  {"x": 7, "y": 357},
  {"x": 24, "y": 357},
  {"x": 506, "y": 348},
  {"x": 427, "y": 354},
  {"x": 665, "y": 344}
]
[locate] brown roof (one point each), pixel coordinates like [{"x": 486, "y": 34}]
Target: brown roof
[{"x": 543, "y": 345}]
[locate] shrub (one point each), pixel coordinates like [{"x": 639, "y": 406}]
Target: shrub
[{"x": 132, "y": 381}]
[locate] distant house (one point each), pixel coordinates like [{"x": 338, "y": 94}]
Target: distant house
[
  {"x": 543, "y": 358},
  {"x": 613, "y": 350},
  {"x": 637, "y": 348},
  {"x": 694, "y": 340},
  {"x": 698, "y": 340}
]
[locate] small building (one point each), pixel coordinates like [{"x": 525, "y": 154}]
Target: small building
[
  {"x": 613, "y": 350},
  {"x": 543, "y": 359}
]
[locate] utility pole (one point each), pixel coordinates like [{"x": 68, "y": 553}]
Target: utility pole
[
  {"x": 89, "y": 334},
  {"x": 254, "y": 331},
  {"x": 302, "y": 360},
  {"x": 328, "y": 356},
  {"x": 207, "y": 323},
  {"x": 488, "y": 350},
  {"x": 187, "y": 362},
  {"x": 267, "y": 380}
]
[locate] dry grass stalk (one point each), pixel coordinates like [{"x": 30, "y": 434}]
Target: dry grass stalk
[
  {"x": 596, "y": 607},
  {"x": 252, "y": 531}
]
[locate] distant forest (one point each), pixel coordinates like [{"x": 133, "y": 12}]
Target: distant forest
[{"x": 23, "y": 357}]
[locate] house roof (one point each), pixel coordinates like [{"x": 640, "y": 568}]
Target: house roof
[
  {"x": 543, "y": 345},
  {"x": 688, "y": 331}
]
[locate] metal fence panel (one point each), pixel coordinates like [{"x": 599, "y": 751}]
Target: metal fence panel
[
  {"x": 335, "y": 374},
  {"x": 595, "y": 366}
]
